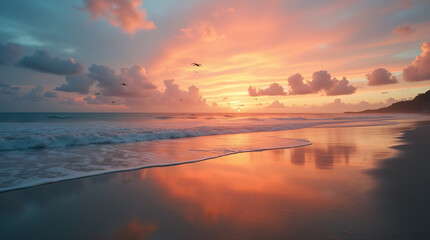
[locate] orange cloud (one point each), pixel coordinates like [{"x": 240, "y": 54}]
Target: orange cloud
[
  {"x": 404, "y": 29},
  {"x": 420, "y": 68},
  {"x": 273, "y": 90},
  {"x": 203, "y": 31},
  {"x": 123, "y": 13},
  {"x": 276, "y": 104}
]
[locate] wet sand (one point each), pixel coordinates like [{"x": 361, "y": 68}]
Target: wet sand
[
  {"x": 351, "y": 183},
  {"x": 403, "y": 186}
]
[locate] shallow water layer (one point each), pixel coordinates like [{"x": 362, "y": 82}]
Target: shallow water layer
[
  {"x": 319, "y": 191},
  {"x": 20, "y": 169}
]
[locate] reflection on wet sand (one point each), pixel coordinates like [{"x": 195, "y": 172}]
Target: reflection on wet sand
[
  {"x": 248, "y": 194},
  {"x": 323, "y": 158},
  {"x": 280, "y": 193},
  {"x": 319, "y": 191},
  {"x": 134, "y": 230}
]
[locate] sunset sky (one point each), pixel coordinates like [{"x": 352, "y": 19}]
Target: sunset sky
[{"x": 256, "y": 56}]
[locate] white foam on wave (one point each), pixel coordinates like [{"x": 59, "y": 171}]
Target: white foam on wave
[
  {"x": 21, "y": 169},
  {"x": 21, "y": 136}
]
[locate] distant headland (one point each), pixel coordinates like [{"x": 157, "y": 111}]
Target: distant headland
[{"x": 420, "y": 104}]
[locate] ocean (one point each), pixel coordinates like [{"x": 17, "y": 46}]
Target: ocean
[{"x": 40, "y": 148}]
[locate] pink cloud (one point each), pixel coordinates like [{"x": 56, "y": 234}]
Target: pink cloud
[
  {"x": 404, "y": 29},
  {"x": 340, "y": 87},
  {"x": 172, "y": 99},
  {"x": 276, "y": 104},
  {"x": 110, "y": 83},
  {"x": 380, "y": 76},
  {"x": 203, "y": 31},
  {"x": 321, "y": 80},
  {"x": 297, "y": 86},
  {"x": 273, "y": 90},
  {"x": 122, "y": 13},
  {"x": 72, "y": 102},
  {"x": 173, "y": 95},
  {"x": 420, "y": 68},
  {"x": 339, "y": 106}
]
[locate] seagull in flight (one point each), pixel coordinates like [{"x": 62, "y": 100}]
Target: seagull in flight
[
  {"x": 196, "y": 65},
  {"x": 123, "y": 84}
]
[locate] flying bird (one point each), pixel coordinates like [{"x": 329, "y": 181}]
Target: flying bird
[
  {"x": 97, "y": 93},
  {"x": 123, "y": 84},
  {"x": 113, "y": 102},
  {"x": 196, "y": 65}
]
